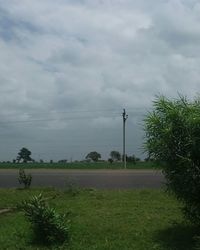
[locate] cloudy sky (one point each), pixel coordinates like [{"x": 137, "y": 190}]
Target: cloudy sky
[{"x": 69, "y": 67}]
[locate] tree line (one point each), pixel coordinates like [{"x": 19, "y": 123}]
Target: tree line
[{"x": 24, "y": 156}]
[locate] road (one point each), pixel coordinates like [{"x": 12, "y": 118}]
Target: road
[{"x": 103, "y": 179}]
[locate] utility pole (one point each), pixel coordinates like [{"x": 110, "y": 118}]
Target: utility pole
[{"x": 125, "y": 117}]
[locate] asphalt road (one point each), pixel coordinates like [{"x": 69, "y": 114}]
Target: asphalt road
[{"x": 104, "y": 179}]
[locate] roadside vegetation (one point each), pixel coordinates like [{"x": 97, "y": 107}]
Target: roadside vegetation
[
  {"x": 135, "y": 219},
  {"x": 173, "y": 137},
  {"x": 24, "y": 179}
]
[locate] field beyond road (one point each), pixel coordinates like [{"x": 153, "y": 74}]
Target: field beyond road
[
  {"x": 81, "y": 165},
  {"x": 103, "y": 220}
]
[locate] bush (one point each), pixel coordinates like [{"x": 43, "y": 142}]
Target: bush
[
  {"x": 110, "y": 160},
  {"x": 115, "y": 155},
  {"x": 24, "y": 179},
  {"x": 71, "y": 187},
  {"x": 48, "y": 226},
  {"x": 173, "y": 137},
  {"x": 131, "y": 159},
  {"x": 197, "y": 246}
]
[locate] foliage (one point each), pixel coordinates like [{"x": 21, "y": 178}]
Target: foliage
[
  {"x": 48, "y": 225},
  {"x": 131, "y": 159},
  {"x": 115, "y": 155},
  {"x": 93, "y": 156},
  {"x": 24, "y": 178},
  {"x": 148, "y": 159},
  {"x": 110, "y": 160},
  {"x": 137, "y": 159},
  {"x": 25, "y": 155},
  {"x": 71, "y": 187},
  {"x": 197, "y": 238},
  {"x": 173, "y": 137},
  {"x": 63, "y": 161}
]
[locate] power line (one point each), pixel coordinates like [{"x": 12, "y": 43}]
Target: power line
[
  {"x": 113, "y": 115},
  {"x": 57, "y": 119},
  {"x": 71, "y": 111},
  {"x": 62, "y": 112}
]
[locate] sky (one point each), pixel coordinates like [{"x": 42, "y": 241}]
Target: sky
[{"x": 69, "y": 67}]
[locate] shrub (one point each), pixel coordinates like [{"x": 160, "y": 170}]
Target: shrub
[
  {"x": 48, "y": 226},
  {"x": 173, "y": 137},
  {"x": 110, "y": 160},
  {"x": 71, "y": 187},
  {"x": 115, "y": 155},
  {"x": 24, "y": 179},
  {"x": 131, "y": 159},
  {"x": 197, "y": 246}
]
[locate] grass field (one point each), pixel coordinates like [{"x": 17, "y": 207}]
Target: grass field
[
  {"x": 81, "y": 165},
  {"x": 104, "y": 220}
]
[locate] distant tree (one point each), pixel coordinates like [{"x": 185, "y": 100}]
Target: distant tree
[
  {"x": 14, "y": 160},
  {"x": 51, "y": 161},
  {"x": 131, "y": 159},
  {"x": 110, "y": 160},
  {"x": 137, "y": 159},
  {"x": 115, "y": 155},
  {"x": 25, "y": 155},
  {"x": 41, "y": 161},
  {"x": 62, "y": 161},
  {"x": 93, "y": 156}
]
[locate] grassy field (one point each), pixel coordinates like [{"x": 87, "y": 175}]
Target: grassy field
[
  {"x": 104, "y": 220},
  {"x": 81, "y": 165}
]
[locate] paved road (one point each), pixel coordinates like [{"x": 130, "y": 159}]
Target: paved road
[{"x": 109, "y": 179}]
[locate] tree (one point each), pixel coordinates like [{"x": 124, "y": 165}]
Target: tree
[
  {"x": 93, "y": 156},
  {"x": 131, "y": 159},
  {"x": 115, "y": 155},
  {"x": 110, "y": 160},
  {"x": 62, "y": 161},
  {"x": 137, "y": 159},
  {"x": 24, "y": 154},
  {"x": 173, "y": 137}
]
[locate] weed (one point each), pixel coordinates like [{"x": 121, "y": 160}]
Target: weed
[
  {"x": 48, "y": 225},
  {"x": 24, "y": 178}
]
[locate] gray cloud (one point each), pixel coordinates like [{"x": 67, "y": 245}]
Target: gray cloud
[{"x": 69, "y": 67}]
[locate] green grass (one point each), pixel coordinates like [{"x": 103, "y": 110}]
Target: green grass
[
  {"x": 80, "y": 165},
  {"x": 104, "y": 220}
]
